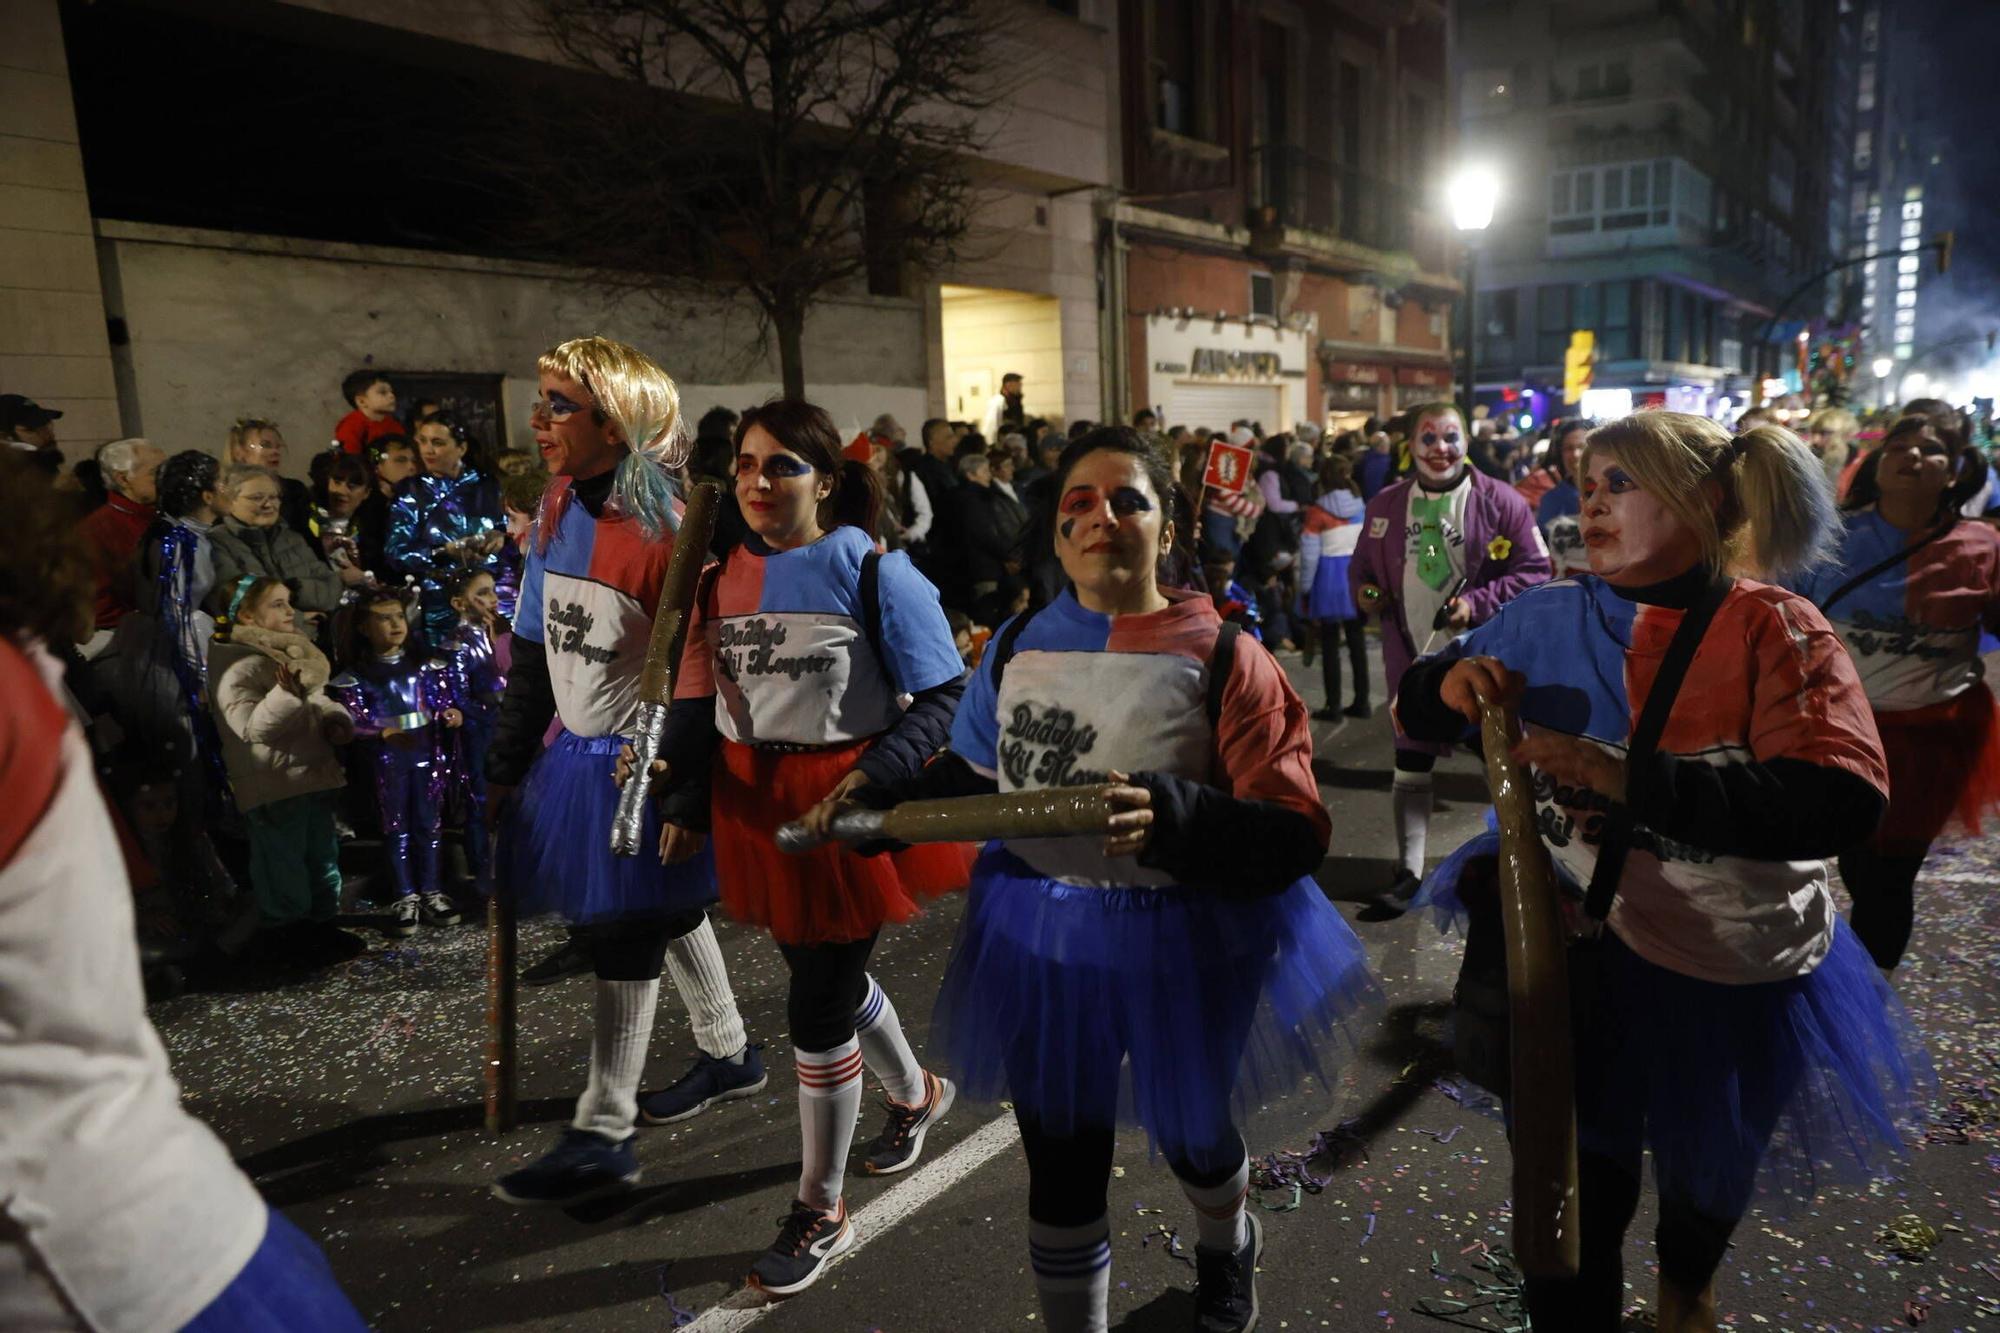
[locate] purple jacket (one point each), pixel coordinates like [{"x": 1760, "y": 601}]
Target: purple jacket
[{"x": 1504, "y": 554}]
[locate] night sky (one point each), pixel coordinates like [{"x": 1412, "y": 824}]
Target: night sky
[{"x": 1962, "y": 57}]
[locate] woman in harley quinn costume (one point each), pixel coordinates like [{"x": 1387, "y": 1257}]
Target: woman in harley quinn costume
[
  {"x": 802, "y": 646},
  {"x": 1727, "y": 1019},
  {"x": 1912, "y": 589},
  {"x": 606, "y": 421},
  {"x": 1185, "y": 956}
]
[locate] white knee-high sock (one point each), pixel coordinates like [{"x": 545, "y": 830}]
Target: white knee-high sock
[
  {"x": 1072, "y": 1274},
  {"x": 694, "y": 961},
  {"x": 1218, "y": 1210},
  {"x": 829, "y": 1099},
  {"x": 885, "y": 1049},
  {"x": 624, "y": 1026},
  {"x": 1410, "y": 797}
]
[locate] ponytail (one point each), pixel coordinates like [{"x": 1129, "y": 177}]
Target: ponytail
[
  {"x": 1787, "y": 519},
  {"x": 856, "y": 499}
]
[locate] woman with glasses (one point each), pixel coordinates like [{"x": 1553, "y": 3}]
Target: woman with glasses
[
  {"x": 257, "y": 442},
  {"x": 251, "y": 541}
]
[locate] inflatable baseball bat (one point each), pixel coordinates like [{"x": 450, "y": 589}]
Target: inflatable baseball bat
[
  {"x": 1542, "y": 1076},
  {"x": 663, "y": 658},
  {"x": 1048, "y": 812}
]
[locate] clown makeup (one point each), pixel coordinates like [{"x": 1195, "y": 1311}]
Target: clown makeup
[
  {"x": 573, "y": 442},
  {"x": 1633, "y": 538},
  {"x": 478, "y": 600},
  {"x": 1111, "y": 530},
  {"x": 1439, "y": 447},
  {"x": 778, "y": 491}
]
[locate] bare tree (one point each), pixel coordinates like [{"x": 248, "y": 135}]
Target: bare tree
[{"x": 792, "y": 148}]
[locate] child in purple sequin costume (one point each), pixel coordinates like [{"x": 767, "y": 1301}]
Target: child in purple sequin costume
[
  {"x": 403, "y": 705},
  {"x": 480, "y": 650}
]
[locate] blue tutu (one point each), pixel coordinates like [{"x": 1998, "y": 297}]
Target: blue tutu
[
  {"x": 555, "y": 849},
  {"x": 1088, "y": 1006},
  {"x": 1769, "y": 1090},
  {"x": 1329, "y": 598}
]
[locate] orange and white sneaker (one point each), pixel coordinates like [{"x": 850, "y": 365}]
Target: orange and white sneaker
[
  {"x": 807, "y": 1240},
  {"x": 901, "y": 1141}
]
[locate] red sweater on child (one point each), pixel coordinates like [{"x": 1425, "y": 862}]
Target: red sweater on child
[{"x": 356, "y": 432}]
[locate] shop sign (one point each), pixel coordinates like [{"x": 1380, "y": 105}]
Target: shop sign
[
  {"x": 1228, "y": 467},
  {"x": 1223, "y": 364},
  {"x": 1424, "y": 377},
  {"x": 1353, "y": 372}
]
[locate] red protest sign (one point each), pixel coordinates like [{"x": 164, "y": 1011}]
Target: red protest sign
[{"x": 1228, "y": 467}]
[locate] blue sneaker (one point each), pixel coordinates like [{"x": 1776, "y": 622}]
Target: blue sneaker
[
  {"x": 584, "y": 1166},
  {"x": 707, "y": 1081}
]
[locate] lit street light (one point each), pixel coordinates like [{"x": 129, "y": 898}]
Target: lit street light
[
  {"x": 1472, "y": 193},
  {"x": 1884, "y": 367}
]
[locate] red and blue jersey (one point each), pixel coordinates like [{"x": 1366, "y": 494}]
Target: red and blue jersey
[
  {"x": 780, "y": 638},
  {"x": 1913, "y": 630},
  {"x": 588, "y": 595},
  {"x": 1086, "y": 694},
  {"x": 1770, "y": 680}
]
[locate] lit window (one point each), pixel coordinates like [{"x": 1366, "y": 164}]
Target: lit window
[
  {"x": 1913, "y": 210},
  {"x": 1908, "y": 264},
  {"x": 1913, "y": 192},
  {"x": 1902, "y": 351},
  {"x": 1907, "y": 283},
  {"x": 1912, "y": 243}
]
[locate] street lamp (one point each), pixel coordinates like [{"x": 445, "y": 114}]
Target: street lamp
[
  {"x": 1884, "y": 367},
  {"x": 1913, "y": 385},
  {"x": 1473, "y": 193}
]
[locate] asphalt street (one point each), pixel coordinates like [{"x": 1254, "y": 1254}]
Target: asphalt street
[{"x": 353, "y": 1100}]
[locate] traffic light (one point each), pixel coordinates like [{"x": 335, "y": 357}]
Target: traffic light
[
  {"x": 1576, "y": 365},
  {"x": 1944, "y": 242}
]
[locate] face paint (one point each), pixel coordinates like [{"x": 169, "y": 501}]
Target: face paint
[
  {"x": 1632, "y": 537},
  {"x": 1439, "y": 447}
]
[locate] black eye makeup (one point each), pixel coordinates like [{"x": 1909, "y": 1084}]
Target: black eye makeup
[
  {"x": 780, "y": 467},
  {"x": 1129, "y": 500}
]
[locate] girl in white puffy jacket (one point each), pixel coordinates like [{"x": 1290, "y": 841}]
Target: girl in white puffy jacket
[{"x": 279, "y": 729}]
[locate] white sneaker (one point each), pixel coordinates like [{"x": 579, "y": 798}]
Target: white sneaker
[
  {"x": 438, "y": 909},
  {"x": 404, "y": 914}
]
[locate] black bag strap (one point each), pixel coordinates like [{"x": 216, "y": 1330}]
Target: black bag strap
[
  {"x": 1221, "y": 662},
  {"x": 1617, "y": 838},
  {"x": 1002, "y": 646},
  {"x": 1884, "y": 566},
  {"x": 871, "y": 605}
]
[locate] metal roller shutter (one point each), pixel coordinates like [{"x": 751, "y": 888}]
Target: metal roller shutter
[{"x": 1216, "y": 405}]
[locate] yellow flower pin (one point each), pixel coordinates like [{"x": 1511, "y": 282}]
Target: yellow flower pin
[{"x": 1499, "y": 549}]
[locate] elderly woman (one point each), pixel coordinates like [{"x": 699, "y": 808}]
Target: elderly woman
[
  {"x": 255, "y": 442},
  {"x": 444, "y": 520},
  {"x": 252, "y": 542}
]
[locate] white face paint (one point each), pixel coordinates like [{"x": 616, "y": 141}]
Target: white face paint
[
  {"x": 1632, "y": 537},
  {"x": 1438, "y": 446}
]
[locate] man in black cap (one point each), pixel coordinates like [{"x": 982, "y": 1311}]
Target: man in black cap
[{"x": 26, "y": 425}]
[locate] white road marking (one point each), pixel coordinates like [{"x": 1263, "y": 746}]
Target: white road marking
[{"x": 744, "y": 1307}]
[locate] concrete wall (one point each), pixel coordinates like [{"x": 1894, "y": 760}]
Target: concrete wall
[
  {"x": 53, "y": 346},
  {"x": 224, "y": 324}
]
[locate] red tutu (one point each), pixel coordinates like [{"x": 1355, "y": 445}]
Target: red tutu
[
  {"x": 1944, "y": 770},
  {"x": 828, "y": 895}
]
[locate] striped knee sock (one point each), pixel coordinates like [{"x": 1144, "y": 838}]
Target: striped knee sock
[
  {"x": 623, "y": 1027},
  {"x": 1218, "y": 1211},
  {"x": 694, "y": 961},
  {"x": 886, "y": 1050},
  {"x": 829, "y": 1099},
  {"x": 1072, "y": 1274}
]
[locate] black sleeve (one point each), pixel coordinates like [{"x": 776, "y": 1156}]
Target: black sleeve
[
  {"x": 525, "y": 712},
  {"x": 689, "y": 749},
  {"x": 1777, "y": 810},
  {"x": 950, "y": 775},
  {"x": 1420, "y": 705},
  {"x": 918, "y": 735},
  {"x": 1208, "y": 839}
]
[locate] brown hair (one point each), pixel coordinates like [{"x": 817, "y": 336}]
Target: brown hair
[
  {"x": 46, "y": 572},
  {"x": 856, "y": 498}
]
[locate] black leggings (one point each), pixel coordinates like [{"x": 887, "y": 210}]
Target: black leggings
[
  {"x": 1884, "y": 891},
  {"x": 634, "y": 950},
  {"x": 1330, "y": 635},
  {"x": 829, "y": 981},
  {"x": 1069, "y": 1175}
]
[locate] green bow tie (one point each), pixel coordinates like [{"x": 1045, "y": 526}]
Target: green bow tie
[{"x": 1433, "y": 561}]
